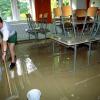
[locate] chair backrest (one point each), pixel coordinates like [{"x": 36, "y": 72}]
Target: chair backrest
[
  {"x": 30, "y": 22},
  {"x": 40, "y": 15},
  {"x": 57, "y": 12},
  {"x": 28, "y": 17},
  {"x": 92, "y": 11},
  {"x": 66, "y": 11},
  {"x": 40, "y": 18},
  {"x": 68, "y": 19},
  {"x": 57, "y": 19},
  {"x": 45, "y": 17},
  {"x": 90, "y": 18},
  {"x": 97, "y": 24},
  {"x": 80, "y": 13}
]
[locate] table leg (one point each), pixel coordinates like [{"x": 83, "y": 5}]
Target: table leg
[
  {"x": 89, "y": 53},
  {"x": 53, "y": 47},
  {"x": 75, "y": 54}
]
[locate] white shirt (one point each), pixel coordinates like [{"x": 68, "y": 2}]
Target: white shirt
[{"x": 7, "y": 31}]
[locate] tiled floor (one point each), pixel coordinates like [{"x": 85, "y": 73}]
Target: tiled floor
[{"x": 54, "y": 76}]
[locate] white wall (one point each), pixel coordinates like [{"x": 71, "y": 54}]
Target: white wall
[
  {"x": 78, "y": 4},
  {"x": 74, "y": 4},
  {"x": 81, "y": 4}
]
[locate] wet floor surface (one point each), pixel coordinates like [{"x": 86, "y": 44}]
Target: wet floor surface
[{"x": 54, "y": 75}]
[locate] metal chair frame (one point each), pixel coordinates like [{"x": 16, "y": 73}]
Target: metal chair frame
[
  {"x": 31, "y": 26},
  {"x": 68, "y": 18},
  {"x": 36, "y": 27},
  {"x": 57, "y": 18},
  {"x": 91, "y": 12}
]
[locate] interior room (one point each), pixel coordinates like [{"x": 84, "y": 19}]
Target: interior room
[{"x": 56, "y": 52}]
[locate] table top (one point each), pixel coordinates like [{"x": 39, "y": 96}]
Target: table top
[{"x": 72, "y": 40}]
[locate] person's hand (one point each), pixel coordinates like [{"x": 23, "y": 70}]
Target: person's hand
[{"x": 4, "y": 56}]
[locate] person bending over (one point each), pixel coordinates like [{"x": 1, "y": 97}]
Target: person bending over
[{"x": 9, "y": 39}]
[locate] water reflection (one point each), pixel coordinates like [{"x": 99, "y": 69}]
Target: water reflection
[{"x": 1, "y": 69}]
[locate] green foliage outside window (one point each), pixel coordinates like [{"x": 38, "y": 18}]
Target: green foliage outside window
[
  {"x": 23, "y": 10},
  {"x": 5, "y": 8},
  {"x": 65, "y": 2},
  {"x": 23, "y": 7}
]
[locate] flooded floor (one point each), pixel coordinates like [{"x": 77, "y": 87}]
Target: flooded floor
[{"x": 54, "y": 75}]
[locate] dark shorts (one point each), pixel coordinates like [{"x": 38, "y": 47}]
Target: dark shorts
[{"x": 13, "y": 38}]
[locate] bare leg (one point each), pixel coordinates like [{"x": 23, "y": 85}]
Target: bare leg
[{"x": 12, "y": 51}]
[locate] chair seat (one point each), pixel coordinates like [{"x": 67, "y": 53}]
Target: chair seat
[
  {"x": 32, "y": 31},
  {"x": 44, "y": 30}
]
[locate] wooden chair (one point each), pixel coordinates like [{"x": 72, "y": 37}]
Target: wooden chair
[
  {"x": 57, "y": 18},
  {"x": 97, "y": 25},
  {"x": 67, "y": 20},
  {"x": 92, "y": 11},
  {"x": 90, "y": 20},
  {"x": 80, "y": 15},
  {"x": 39, "y": 20},
  {"x": 43, "y": 25},
  {"x": 44, "y": 20},
  {"x": 57, "y": 12},
  {"x": 66, "y": 11}
]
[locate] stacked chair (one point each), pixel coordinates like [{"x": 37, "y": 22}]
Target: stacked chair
[
  {"x": 57, "y": 18},
  {"x": 67, "y": 20},
  {"x": 43, "y": 25},
  {"x": 79, "y": 19},
  {"x": 90, "y": 20},
  {"x": 96, "y": 31}
]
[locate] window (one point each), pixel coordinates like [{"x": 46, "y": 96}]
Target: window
[
  {"x": 8, "y": 13},
  {"x": 54, "y": 4},
  {"x": 5, "y": 9},
  {"x": 23, "y": 6}
]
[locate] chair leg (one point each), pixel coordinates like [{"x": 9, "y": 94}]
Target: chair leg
[
  {"x": 45, "y": 35},
  {"x": 29, "y": 36},
  {"x": 36, "y": 35}
]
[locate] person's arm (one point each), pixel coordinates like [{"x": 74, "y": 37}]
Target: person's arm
[
  {"x": 5, "y": 33},
  {"x": 4, "y": 49}
]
